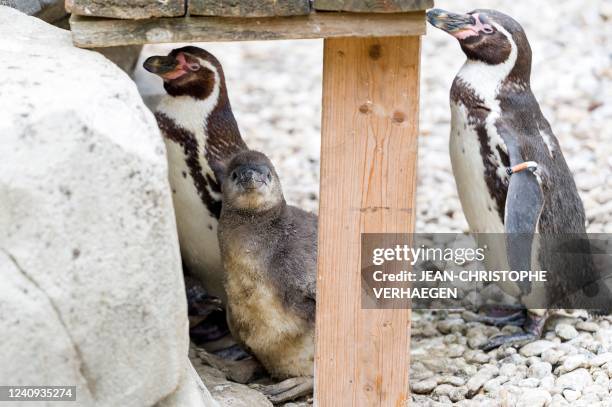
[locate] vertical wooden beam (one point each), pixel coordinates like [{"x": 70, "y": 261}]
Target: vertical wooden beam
[{"x": 368, "y": 182}]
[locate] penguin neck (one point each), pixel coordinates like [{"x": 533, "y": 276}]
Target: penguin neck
[
  {"x": 484, "y": 79},
  {"x": 487, "y": 80},
  {"x": 201, "y": 116}
]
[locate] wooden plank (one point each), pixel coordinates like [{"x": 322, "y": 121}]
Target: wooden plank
[
  {"x": 249, "y": 8},
  {"x": 368, "y": 182},
  {"x": 98, "y": 32},
  {"x": 127, "y": 9},
  {"x": 373, "y": 6}
]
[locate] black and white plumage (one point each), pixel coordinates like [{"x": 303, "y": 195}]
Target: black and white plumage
[
  {"x": 497, "y": 124},
  {"x": 199, "y": 129}
]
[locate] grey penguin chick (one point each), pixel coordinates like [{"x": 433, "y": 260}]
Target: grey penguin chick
[
  {"x": 198, "y": 126},
  {"x": 510, "y": 172},
  {"x": 269, "y": 252}
]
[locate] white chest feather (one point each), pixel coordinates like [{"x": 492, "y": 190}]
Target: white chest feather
[
  {"x": 479, "y": 207},
  {"x": 484, "y": 80},
  {"x": 197, "y": 228}
]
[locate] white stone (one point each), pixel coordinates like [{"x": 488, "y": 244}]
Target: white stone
[
  {"x": 92, "y": 293},
  {"x": 587, "y": 326},
  {"x": 571, "y": 395},
  {"x": 424, "y": 386},
  {"x": 486, "y": 373},
  {"x": 227, "y": 393},
  {"x": 575, "y": 380},
  {"x": 573, "y": 362},
  {"x": 601, "y": 359},
  {"x": 536, "y": 348},
  {"x": 566, "y": 331},
  {"x": 539, "y": 369},
  {"x": 533, "y": 398},
  {"x": 507, "y": 369},
  {"x": 531, "y": 382}
]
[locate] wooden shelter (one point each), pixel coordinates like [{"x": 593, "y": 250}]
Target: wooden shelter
[{"x": 368, "y": 152}]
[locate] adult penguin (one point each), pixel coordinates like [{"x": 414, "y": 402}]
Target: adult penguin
[
  {"x": 512, "y": 178},
  {"x": 199, "y": 128}
]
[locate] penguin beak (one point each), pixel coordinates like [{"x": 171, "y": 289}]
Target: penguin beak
[
  {"x": 459, "y": 26},
  {"x": 168, "y": 67},
  {"x": 251, "y": 177}
]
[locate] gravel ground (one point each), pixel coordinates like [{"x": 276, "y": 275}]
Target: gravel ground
[{"x": 275, "y": 89}]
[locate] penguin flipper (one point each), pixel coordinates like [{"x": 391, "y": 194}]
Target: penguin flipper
[{"x": 524, "y": 204}]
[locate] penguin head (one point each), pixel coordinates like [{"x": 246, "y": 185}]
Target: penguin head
[
  {"x": 488, "y": 36},
  {"x": 250, "y": 183},
  {"x": 188, "y": 71}
]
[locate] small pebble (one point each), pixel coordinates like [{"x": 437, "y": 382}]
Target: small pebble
[
  {"x": 539, "y": 369},
  {"x": 536, "y": 348},
  {"x": 566, "y": 331},
  {"x": 587, "y": 326},
  {"x": 571, "y": 395},
  {"x": 424, "y": 386},
  {"x": 572, "y": 363}
]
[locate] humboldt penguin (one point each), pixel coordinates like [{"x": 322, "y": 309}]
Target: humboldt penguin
[
  {"x": 199, "y": 129},
  {"x": 269, "y": 252},
  {"x": 511, "y": 175}
]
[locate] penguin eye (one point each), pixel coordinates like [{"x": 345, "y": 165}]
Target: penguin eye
[
  {"x": 193, "y": 67},
  {"x": 488, "y": 30},
  {"x": 269, "y": 177},
  {"x": 234, "y": 176}
]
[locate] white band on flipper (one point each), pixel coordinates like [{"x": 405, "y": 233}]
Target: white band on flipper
[{"x": 527, "y": 165}]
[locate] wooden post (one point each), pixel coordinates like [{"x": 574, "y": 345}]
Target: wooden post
[{"x": 368, "y": 182}]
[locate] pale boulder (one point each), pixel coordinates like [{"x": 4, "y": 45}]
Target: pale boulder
[{"x": 92, "y": 290}]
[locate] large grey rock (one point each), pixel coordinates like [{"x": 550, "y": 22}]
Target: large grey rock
[
  {"x": 92, "y": 290},
  {"x": 48, "y": 10},
  {"x": 227, "y": 393},
  {"x": 28, "y": 6}
]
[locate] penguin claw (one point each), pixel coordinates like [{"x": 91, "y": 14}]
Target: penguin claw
[
  {"x": 533, "y": 326},
  {"x": 497, "y": 341},
  {"x": 199, "y": 302},
  {"x": 289, "y": 389}
]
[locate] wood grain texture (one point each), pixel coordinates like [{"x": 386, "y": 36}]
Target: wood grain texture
[
  {"x": 249, "y": 8},
  {"x": 127, "y": 9},
  {"x": 99, "y": 32},
  {"x": 368, "y": 182},
  {"x": 373, "y": 6}
]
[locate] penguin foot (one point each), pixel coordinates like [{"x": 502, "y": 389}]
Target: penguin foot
[
  {"x": 199, "y": 311},
  {"x": 289, "y": 389},
  {"x": 239, "y": 371},
  {"x": 533, "y": 327},
  {"x": 213, "y": 328},
  {"x": 516, "y": 319},
  {"x": 234, "y": 352},
  {"x": 199, "y": 303},
  {"x": 502, "y": 315},
  {"x": 497, "y": 341}
]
